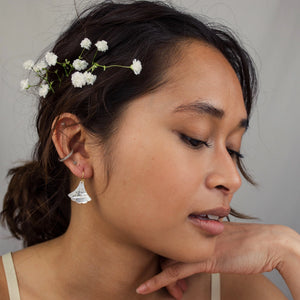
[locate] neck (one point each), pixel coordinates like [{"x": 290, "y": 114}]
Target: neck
[{"x": 98, "y": 267}]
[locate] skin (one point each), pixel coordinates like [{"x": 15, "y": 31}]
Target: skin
[{"x": 114, "y": 242}]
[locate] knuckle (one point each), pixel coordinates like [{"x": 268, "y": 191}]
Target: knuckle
[{"x": 173, "y": 271}]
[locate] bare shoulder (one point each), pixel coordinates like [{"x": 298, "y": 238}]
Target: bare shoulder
[
  {"x": 249, "y": 287},
  {"x": 3, "y": 285}
]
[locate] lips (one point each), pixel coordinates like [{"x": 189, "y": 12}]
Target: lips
[
  {"x": 209, "y": 221},
  {"x": 206, "y": 217},
  {"x": 212, "y": 214}
]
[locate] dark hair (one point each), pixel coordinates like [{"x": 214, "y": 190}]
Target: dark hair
[{"x": 36, "y": 207}]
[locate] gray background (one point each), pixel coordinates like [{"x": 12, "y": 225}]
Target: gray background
[{"x": 270, "y": 31}]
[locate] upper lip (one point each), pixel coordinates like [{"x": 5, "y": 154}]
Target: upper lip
[{"x": 218, "y": 211}]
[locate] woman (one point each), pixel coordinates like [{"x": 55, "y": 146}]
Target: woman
[{"x": 152, "y": 133}]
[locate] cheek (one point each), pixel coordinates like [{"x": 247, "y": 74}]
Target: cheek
[
  {"x": 153, "y": 184},
  {"x": 152, "y": 188}
]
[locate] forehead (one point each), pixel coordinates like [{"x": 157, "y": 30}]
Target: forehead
[{"x": 202, "y": 72}]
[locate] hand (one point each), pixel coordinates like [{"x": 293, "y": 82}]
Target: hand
[
  {"x": 177, "y": 288},
  {"x": 241, "y": 249}
]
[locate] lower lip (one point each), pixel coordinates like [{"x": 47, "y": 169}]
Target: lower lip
[{"x": 210, "y": 226}]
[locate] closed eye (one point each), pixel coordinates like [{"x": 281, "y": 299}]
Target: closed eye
[
  {"x": 235, "y": 154},
  {"x": 198, "y": 144},
  {"x": 194, "y": 143}
]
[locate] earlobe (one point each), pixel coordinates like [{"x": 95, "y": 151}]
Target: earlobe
[{"x": 69, "y": 139}]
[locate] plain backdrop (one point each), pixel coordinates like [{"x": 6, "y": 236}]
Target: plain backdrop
[{"x": 270, "y": 31}]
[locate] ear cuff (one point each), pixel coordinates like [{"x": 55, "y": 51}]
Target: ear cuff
[{"x": 66, "y": 157}]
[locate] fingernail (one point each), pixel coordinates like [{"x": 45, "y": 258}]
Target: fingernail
[{"x": 141, "y": 289}]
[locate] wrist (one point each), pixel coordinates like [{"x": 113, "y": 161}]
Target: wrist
[
  {"x": 288, "y": 250},
  {"x": 289, "y": 264}
]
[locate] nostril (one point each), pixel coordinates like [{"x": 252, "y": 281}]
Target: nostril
[{"x": 222, "y": 187}]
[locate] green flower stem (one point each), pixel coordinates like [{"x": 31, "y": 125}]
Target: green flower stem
[
  {"x": 44, "y": 78},
  {"x": 93, "y": 61},
  {"x": 56, "y": 72},
  {"x": 80, "y": 56},
  {"x": 49, "y": 83},
  {"x": 34, "y": 85},
  {"x": 50, "y": 87},
  {"x": 66, "y": 65},
  {"x": 39, "y": 75},
  {"x": 71, "y": 69},
  {"x": 95, "y": 66},
  {"x": 126, "y": 67}
]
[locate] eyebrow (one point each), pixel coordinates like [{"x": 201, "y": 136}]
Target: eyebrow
[{"x": 204, "y": 108}]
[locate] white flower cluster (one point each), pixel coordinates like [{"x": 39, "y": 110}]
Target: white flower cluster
[
  {"x": 28, "y": 64},
  {"x": 51, "y": 58},
  {"x": 80, "y": 64},
  {"x": 43, "y": 91},
  {"x": 78, "y": 79},
  {"x": 40, "y": 66},
  {"x": 24, "y": 84},
  {"x": 81, "y": 79},
  {"x": 86, "y": 44},
  {"x": 136, "y": 67},
  {"x": 102, "y": 46}
]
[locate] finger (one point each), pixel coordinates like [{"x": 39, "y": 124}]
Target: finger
[
  {"x": 170, "y": 275},
  {"x": 183, "y": 285},
  {"x": 175, "y": 290}
]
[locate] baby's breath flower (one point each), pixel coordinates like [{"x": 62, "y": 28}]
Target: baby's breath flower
[
  {"x": 102, "y": 46},
  {"x": 86, "y": 44},
  {"x": 43, "y": 90},
  {"x": 78, "y": 79},
  {"x": 136, "y": 67},
  {"x": 24, "y": 84},
  {"x": 79, "y": 64},
  {"x": 40, "y": 66},
  {"x": 28, "y": 64},
  {"x": 51, "y": 58},
  {"x": 89, "y": 77}
]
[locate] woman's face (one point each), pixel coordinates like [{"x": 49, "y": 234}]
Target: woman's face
[{"x": 161, "y": 178}]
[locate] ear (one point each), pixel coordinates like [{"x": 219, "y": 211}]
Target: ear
[{"x": 69, "y": 135}]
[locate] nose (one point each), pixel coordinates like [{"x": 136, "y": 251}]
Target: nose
[{"x": 223, "y": 174}]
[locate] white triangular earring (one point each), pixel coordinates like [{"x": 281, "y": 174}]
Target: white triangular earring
[{"x": 79, "y": 195}]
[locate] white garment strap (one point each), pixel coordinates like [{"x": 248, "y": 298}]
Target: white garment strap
[
  {"x": 11, "y": 277},
  {"x": 215, "y": 287}
]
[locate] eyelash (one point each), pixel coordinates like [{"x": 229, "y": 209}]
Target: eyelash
[{"x": 191, "y": 142}]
